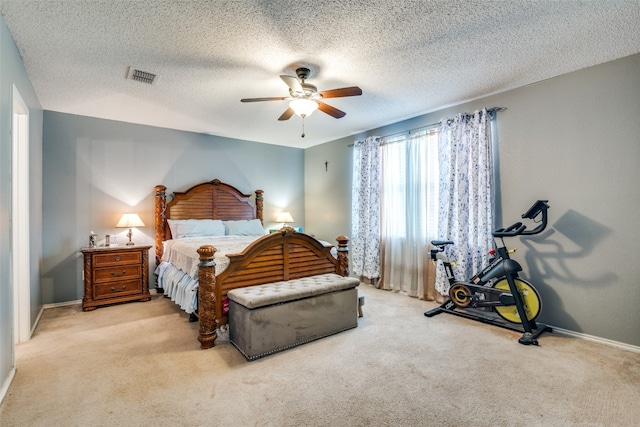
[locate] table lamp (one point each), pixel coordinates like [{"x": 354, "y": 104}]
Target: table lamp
[
  {"x": 284, "y": 218},
  {"x": 130, "y": 220}
]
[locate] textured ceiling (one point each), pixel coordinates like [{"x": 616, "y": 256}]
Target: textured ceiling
[{"x": 409, "y": 57}]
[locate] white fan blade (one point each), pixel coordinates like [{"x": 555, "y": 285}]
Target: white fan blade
[{"x": 293, "y": 84}]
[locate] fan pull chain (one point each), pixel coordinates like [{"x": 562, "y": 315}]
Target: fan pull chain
[{"x": 303, "y": 116}]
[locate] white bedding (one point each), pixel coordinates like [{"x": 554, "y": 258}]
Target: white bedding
[{"x": 183, "y": 252}]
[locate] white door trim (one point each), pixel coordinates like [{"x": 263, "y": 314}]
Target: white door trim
[{"x": 20, "y": 260}]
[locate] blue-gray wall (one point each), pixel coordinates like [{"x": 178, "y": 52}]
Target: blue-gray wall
[
  {"x": 95, "y": 170},
  {"x": 574, "y": 140},
  {"x": 13, "y": 73}
]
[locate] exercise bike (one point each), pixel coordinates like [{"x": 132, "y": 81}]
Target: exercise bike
[{"x": 496, "y": 295}]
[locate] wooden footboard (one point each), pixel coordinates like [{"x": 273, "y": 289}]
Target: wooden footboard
[{"x": 283, "y": 255}]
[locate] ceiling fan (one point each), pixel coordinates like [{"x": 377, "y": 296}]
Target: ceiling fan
[{"x": 305, "y": 98}]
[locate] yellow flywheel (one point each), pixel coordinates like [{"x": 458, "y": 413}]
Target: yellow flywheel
[{"x": 530, "y": 300}]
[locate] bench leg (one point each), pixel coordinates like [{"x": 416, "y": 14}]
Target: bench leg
[{"x": 360, "y": 304}]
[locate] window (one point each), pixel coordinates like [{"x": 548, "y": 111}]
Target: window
[{"x": 410, "y": 185}]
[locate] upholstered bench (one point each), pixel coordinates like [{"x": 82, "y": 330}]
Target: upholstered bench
[{"x": 267, "y": 318}]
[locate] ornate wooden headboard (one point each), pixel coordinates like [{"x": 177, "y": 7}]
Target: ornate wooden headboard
[{"x": 208, "y": 200}]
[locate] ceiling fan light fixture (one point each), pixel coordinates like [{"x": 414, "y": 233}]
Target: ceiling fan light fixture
[{"x": 303, "y": 107}]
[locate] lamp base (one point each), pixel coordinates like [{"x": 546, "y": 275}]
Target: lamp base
[{"x": 129, "y": 234}]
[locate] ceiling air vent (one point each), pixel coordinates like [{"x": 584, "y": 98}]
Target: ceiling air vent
[{"x": 134, "y": 73}]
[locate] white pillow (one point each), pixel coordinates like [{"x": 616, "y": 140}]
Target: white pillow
[
  {"x": 244, "y": 227},
  {"x": 195, "y": 227}
]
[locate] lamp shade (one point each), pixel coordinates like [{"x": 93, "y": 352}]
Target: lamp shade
[
  {"x": 130, "y": 220},
  {"x": 284, "y": 217},
  {"x": 303, "y": 107}
]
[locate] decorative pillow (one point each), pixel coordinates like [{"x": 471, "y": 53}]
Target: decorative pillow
[
  {"x": 195, "y": 227},
  {"x": 245, "y": 227}
]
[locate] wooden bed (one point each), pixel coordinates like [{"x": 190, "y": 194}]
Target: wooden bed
[{"x": 283, "y": 255}]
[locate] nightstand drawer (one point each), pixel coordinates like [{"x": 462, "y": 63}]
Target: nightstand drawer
[
  {"x": 109, "y": 274},
  {"x": 116, "y": 258},
  {"x": 124, "y": 287}
]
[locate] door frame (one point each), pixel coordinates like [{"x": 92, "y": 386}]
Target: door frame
[{"x": 20, "y": 256}]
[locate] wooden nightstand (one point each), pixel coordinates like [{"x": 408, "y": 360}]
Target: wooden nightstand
[{"x": 115, "y": 274}]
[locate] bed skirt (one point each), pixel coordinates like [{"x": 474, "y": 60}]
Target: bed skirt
[{"x": 179, "y": 286}]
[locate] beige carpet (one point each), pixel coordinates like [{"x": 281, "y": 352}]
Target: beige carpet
[{"x": 139, "y": 364}]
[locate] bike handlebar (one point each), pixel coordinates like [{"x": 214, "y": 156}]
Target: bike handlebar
[{"x": 518, "y": 229}]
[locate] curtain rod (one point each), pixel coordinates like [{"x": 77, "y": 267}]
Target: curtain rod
[{"x": 489, "y": 110}]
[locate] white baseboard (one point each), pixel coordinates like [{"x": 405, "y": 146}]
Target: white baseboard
[
  {"x": 33, "y": 328},
  {"x": 7, "y": 383},
  {"x": 599, "y": 340},
  {"x": 61, "y": 304}
]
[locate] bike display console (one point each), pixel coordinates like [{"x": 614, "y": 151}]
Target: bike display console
[{"x": 497, "y": 295}]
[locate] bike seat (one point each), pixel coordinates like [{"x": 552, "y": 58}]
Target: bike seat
[{"x": 441, "y": 242}]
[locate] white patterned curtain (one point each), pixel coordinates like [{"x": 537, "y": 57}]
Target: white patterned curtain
[
  {"x": 466, "y": 193},
  {"x": 409, "y": 212},
  {"x": 364, "y": 257}
]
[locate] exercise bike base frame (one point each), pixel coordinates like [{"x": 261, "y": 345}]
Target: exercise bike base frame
[{"x": 528, "y": 337}]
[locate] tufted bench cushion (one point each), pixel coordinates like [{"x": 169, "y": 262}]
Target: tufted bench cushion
[
  {"x": 264, "y": 319},
  {"x": 285, "y": 291}
]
